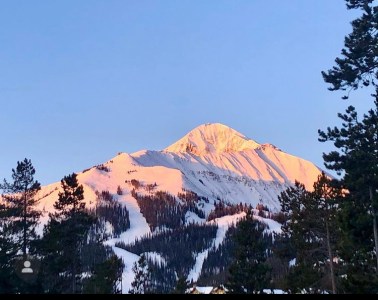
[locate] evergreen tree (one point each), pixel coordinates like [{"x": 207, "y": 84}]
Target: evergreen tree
[
  {"x": 19, "y": 197},
  {"x": 356, "y": 158},
  {"x": 295, "y": 238},
  {"x": 357, "y": 161},
  {"x": 358, "y": 64},
  {"x": 142, "y": 280},
  {"x": 249, "y": 272},
  {"x": 105, "y": 278},
  {"x": 182, "y": 285},
  {"x": 327, "y": 195},
  {"x": 8, "y": 252},
  {"x": 311, "y": 230},
  {"x": 63, "y": 238}
]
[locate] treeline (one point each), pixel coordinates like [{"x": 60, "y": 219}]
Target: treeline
[
  {"x": 163, "y": 209},
  {"x": 222, "y": 209}
]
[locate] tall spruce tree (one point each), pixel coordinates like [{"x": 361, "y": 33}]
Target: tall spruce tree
[
  {"x": 182, "y": 285},
  {"x": 8, "y": 252},
  {"x": 326, "y": 197},
  {"x": 63, "y": 238},
  {"x": 249, "y": 272},
  {"x": 142, "y": 280},
  {"x": 295, "y": 229},
  {"x": 106, "y": 277},
  {"x": 356, "y": 140},
  {"x": 20, "y": 199},
  {"x": 357, "y": 161},
  {"x": 358, "y": 65},
  {"x": 311, "y": 230}
]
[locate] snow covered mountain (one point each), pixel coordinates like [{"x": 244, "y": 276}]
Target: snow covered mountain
[{"x": 213, "y": 161}]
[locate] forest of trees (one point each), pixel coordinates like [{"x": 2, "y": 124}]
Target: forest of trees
[
  {"x": 163, "y": 210},
  {"x": 177, "y": 247},
  {"x": 69, "y": 247}
]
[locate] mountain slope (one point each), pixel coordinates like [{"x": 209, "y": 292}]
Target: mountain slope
[{"x": 213, "y": 161}]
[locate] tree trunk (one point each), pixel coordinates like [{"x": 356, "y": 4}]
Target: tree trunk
[
  {"x": 374, "y": 225},
  {"x": 73, "y": 273},
  {"x": 330, "y": 256},
  {"x": 24, "y": 225}
]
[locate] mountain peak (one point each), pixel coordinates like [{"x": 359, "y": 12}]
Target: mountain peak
[{"x": 212, "y": 138}]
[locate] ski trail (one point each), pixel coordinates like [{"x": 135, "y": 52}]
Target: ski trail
[{"x": 223, "y": 224}]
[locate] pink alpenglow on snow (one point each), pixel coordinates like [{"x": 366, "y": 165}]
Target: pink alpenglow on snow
[{"x": 214, "y": 161}]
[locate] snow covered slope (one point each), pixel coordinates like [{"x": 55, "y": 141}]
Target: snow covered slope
[{"x": 213, "y": 160}]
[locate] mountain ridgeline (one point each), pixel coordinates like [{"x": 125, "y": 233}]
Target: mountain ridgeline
[
  {"x": 208, "y": 179},
  {"x": 178, "y": 207}
]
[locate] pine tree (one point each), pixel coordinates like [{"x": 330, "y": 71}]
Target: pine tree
[
  {"x": 249, "y": 272},
  {"x": 63, "y": 238},
  {"x": 182, "y": 285},
  {"x": 358, "y": 65},
  {"x": 142, "y": 280},
  {"x": 19, "y": 197},
  {"x": 295, "y": 236},
  {"x": 327, "y": 196},
  {"x": 356, "y": 158},
  {"x": 311, "y": 230},
  {"x": 8, "y": 252},
  {"x": 105, "y": 278},
  {"x": 357, "y": 161}
]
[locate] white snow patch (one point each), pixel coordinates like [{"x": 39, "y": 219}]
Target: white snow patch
[
  {"x": 156, "y": 258},
  {"x": 191, "y": 217},
  {"x": 128, "y": 275},
  {"x": 195, "y": 272},
  {"x": 274, "y": 291},
  {"x": 204, "y": 289},
  {"x": 273, "y": 226},
  {"x": 223, "y": 224},
  {"x": 292, "y": 262}
]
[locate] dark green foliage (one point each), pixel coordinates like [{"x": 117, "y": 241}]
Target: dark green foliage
[
  {"x": 309, "y": 235},
  {"x": 177, "y": 247},
  {"x": 109, "y": 210},
  {"x": 249, "y": 272},
  {"x": 356, "y": 157},
  {"x": 358, "y": 65},
  {"x": 70, "y": 199},
  {"x": 357, "y": 160},
  {"x": 18, "y": 220},
  {"x": 8, "y": 251},
  {"x": 223, "y": 209},
  {"x": 163, "y": 210},
  {"x": 61, "y": 246},
  {"x": 104, "y": 196},
  {"x": 182, "y": 285},
  {"x": 63, "y": 238},
  {"x": 216, "y": 265},
  {"x": 105, "y": 277},
  {"x": 19, "y": 198},
  {"x": 142, "y": 280}
]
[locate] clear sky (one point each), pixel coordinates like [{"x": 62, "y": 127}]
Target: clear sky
[{"x": 83, "y": 80}]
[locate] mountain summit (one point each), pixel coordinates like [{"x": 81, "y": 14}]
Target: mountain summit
[{"x": 212, "y": 138}]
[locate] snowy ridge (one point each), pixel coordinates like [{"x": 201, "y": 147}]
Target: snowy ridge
[{"x": 213, "y": 160}]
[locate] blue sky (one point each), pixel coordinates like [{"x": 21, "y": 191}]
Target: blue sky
[{"x": 83, "y": 80}]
